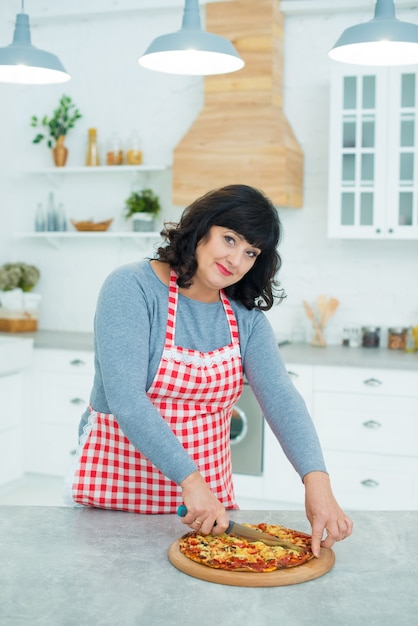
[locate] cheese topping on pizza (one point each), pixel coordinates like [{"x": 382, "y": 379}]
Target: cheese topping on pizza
[{"x": 236, "y": 554}]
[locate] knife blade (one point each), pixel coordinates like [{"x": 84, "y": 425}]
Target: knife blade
[{"x": 250, "y": 533}]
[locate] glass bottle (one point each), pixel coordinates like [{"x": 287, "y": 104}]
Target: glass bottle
[
  {"x": 92, "y": 157},
  {"x": 40, "y": 222},
  {"x": 134, "y": 154},
  {"x": 51, "y": 224},
  {"x": 114, "y": 153},
  {"x": 61, "y": 219}
]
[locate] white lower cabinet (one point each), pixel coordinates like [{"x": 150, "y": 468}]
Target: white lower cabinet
[
  {"x": 367, "y": 421},
  {"x": 279, "y": 482},
  {"x": 11, "y": 427},
  {"x": 61, "y": 385}
]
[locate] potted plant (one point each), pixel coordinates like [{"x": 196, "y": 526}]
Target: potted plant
[
  {"x": 18, "y": 305},
  {"x": 57, "y": 126},
  {"x": 142, "y": 207}
]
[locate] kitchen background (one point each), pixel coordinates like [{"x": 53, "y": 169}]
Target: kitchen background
[{"x": 99, "y": 42}]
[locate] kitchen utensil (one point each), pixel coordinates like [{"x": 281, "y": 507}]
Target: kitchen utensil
[
  {"x": 319, "y": 336},
  {"x": 331, "y": 307},
  {"x": 250, "y": 533},
  {"x": 279, "y": 578}
]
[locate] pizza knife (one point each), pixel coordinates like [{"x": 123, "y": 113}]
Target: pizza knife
[{"x": 250, "y": 533}]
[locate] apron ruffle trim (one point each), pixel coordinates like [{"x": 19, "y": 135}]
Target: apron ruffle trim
[{"x": 201, "y": 360}]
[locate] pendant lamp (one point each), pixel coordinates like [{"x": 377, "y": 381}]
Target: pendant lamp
[
  {"x": 22, "y": 63},
  {"x": 384, "y": 40},
  {"x": 191, "y": 50}
]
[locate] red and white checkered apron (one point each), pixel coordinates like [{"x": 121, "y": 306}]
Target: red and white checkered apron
[{"x": 195, "y": 393}]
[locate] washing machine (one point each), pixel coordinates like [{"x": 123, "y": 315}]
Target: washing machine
[{"x": 247, "y": 432}]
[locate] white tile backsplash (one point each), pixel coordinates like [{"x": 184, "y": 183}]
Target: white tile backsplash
[{"x": 375, "y": 281}]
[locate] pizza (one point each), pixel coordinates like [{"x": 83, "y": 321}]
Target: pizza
[{"x": 232, "y": 553}]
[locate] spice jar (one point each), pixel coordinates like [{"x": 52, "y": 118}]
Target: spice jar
[
  {"x": 371, "y": 336},
  {"x": 134, "y": 154},
  {"x": 396, "y": 338},
  {"x": 114, "y": 154}
]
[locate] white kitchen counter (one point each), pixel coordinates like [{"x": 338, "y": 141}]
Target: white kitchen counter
[{"x": 292, "y": 353}]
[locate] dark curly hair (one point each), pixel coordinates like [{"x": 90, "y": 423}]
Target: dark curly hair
[{"x": 248, "y": 212}]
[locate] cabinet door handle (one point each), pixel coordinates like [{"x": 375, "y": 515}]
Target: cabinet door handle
[
  {"x": 372, "y": 424},
  {"x": 369, "y": 482},
  {"x": 372, "y": 382},
  {"x": 77, "y": 362},
  {"x": 77, "y": 401},
  {"x": 293, "y": 374}
]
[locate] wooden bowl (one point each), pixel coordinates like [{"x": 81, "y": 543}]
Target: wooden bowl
[{"x": 91, "y": 226}]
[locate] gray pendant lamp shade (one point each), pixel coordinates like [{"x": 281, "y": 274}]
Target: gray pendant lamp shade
[
  {"x": 191, "y": 50},
  {"x": 22, "y": 63},
  {"x": 384, "y": 40}
]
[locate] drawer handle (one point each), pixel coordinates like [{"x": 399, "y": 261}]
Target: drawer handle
[
  {"x": 369, "y": 482},
  {"x": 78, "y": 401},
  {"x": 77, "y": 362},
  {"x": 293, "y": 374},
  {"x": 372, "y": 382},
  {"x": 372, "y": 424}
]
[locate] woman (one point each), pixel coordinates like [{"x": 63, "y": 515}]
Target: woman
[{"x": 173, "y": 338}]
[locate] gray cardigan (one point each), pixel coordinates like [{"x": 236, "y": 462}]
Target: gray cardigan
[{"x": 129, "y": 334}]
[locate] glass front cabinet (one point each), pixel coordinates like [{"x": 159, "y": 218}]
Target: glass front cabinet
[{"x": 373, "y": 167}]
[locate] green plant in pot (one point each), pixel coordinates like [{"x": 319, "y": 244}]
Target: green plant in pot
[
  {"x": 56, "y": 128},
  {"x": 142, "y": 207}
]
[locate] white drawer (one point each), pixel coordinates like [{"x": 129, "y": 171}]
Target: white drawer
[
  {"x": 11, "y": 455},
  {"x": 373, "y": 482},
  {"x": 11, "y": 401},
  {"x": 382, "y": 425},
  {"x": 65, "y": 361},
  {"x": 56, "y": 449},
  {"x": 64, "y": 397},
  {"x": 367, "y": 381}
]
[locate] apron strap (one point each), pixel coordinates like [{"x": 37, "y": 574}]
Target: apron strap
[{"x": 172, "y": 309}]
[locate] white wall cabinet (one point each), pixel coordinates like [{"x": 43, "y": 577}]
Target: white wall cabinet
[
  {"x": 61, "y": 385},
  {"x": 373, "y": 153}
]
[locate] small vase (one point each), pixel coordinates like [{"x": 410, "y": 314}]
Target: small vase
[{"x": 60, "y": 152}]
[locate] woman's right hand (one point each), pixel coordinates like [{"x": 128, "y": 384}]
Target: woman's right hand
[{"x": 203, "y": 508}]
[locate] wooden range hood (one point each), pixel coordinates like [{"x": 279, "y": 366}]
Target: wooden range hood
[{"x": 242, "y": 134}]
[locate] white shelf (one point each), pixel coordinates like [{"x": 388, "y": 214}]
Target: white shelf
[
  {"x": 90, "y": 233},
  {"x": 54, "y": 239},
  {"x": 101, "y": 169}
]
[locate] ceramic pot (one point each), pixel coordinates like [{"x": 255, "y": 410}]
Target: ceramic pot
[
  {"x": 60, "y": 152},
  {"x": 142, "y": 222}
]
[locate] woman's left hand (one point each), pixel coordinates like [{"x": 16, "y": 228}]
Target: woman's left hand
[{"x": 324, "y": 512}]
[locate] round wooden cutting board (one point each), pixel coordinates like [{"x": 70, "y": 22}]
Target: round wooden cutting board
[{"x": 290, "y": 576}]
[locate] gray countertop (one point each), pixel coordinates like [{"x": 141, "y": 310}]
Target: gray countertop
[
  {"x": 292, "y": 353},
  {"x": 62, "y": 566}
]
